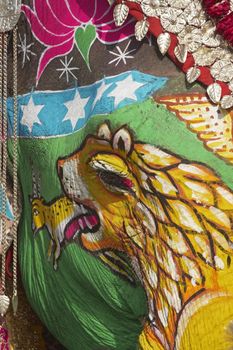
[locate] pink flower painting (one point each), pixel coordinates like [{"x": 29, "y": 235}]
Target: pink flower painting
[{"x": 61, "y": 25}]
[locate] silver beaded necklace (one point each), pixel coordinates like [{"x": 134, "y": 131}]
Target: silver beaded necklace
[{"x": 9, "y": 16}]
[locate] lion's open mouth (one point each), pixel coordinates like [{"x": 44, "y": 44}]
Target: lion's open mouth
[{"x": 87, "y": 222}]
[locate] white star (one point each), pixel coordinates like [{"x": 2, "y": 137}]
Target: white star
[
  {"x": 25, "y": 49},
  {"x": 66, "y": 69},
  {"x": 100, "y": 91},
  {"x": 125, "y": 89},
  {"x": 121, "y": 55},
  {"x": 30, "y": 114},
  {"x": 76, "y": 109}
]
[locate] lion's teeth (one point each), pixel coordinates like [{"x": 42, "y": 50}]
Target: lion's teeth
[
  {"x": 81, "y": 223},
  {"x": 89, "y": 225},
  {"x": 94, "y": 237}
]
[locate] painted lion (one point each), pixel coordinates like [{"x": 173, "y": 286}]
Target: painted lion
[{"x": 173, "y": 218}]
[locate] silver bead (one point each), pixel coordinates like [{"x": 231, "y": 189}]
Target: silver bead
[{"x": 4, "y": 304}]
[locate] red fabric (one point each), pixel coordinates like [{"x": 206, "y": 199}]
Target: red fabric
[
  {"x": 9, "y": 260},
  {"x": 225, "y": 27},
  {"x": 221, "y": 12},
  {"x": 218, "y": 10},
  {"x": 155, "y": 28}
]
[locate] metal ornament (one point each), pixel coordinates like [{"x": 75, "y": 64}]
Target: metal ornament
[
  {"x": 120, "y": 14},
  {"x": 141, "y": 29},
  {"x": 181, "y": 53},
  {"x": 150, "y": 7},
  {"x": 214, "y": 92},
  {"x": 4, "y": 304},
  {"x": 164, "y": 42},
  {"x": 192, "y": 74},
  {"x": 9, "y": 14},
  {"x": 231, "y": 85},
  {"x": 227, "y": 102},
  {"x": 15, "y": 304},
  {"x": 196, "y": 35}
]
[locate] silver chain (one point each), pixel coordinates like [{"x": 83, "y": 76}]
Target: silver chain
[
  {"x": 4, "y": 159},
  {"x": 15, "y": 162},
  {"x": 1, "y": 106},
  {"x": 3, "y": 165}
]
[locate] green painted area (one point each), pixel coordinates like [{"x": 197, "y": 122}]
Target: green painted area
[
  {"x": 84, "y": 39},
  {"x": 83, "y": 303}
]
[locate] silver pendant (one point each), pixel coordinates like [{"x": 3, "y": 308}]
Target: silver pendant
[
  {"x": 9, "y": 14},
  {"x": 120, "y": 13},
  {"x": 4, "y": 304},
  {"x": 227, "y": 101},
  {"x": 192, "y": 74},
  {"x": 181, "y": 53},
  {"x": 214, "y": 92},
  {"x": 14, "y": 302},
  {"x": 164, "y": 42},
  {"x": 141, "y": 29}
]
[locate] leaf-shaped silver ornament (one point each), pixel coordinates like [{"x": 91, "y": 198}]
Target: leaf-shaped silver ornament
[
  {"x": 9, "y": 14},
  {"x": 120, "y": 13},
  {"x": 141, "y": 29},
  {"x": 230, "y": 85},
  {"x": 14, "y": 302},
  {"x": 214, "y": 92},
  {"x": 181, "y": 53},
  {"x": 227, "y": 101},
  {"x": 4, "y": 304},
  {"x": 192, "y": 74},
  {"x": 164, "y": 42}
]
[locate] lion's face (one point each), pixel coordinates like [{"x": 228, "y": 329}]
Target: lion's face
[
  {"x": 139, "y": 198},
  {"x": 38, "y": 219},
  {"x": 103, "y": 177},
  {"x": 173, "y": 217}
]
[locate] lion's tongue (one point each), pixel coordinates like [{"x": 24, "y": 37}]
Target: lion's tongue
[{"x": 80, "y": 225}]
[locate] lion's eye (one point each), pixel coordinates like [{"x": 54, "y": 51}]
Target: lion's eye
[
  {"x": 35, "y": 212},
  {"x": 116, "y": 181}
]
